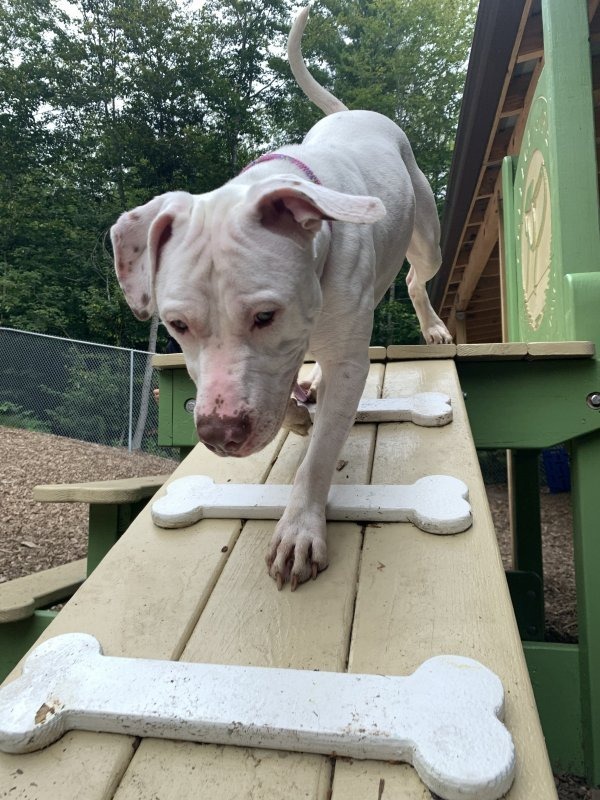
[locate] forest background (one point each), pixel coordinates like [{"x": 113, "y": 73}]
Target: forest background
[{"x": 106, "y": 103}]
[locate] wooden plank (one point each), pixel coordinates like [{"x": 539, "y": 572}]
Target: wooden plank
[
  {"x": 246, "y": 621},
  {"x": 481, "y": 252},
  {"x": 142, "y": 601},
  {"x": 170, "y": 360},
  {"x": 20, "y": 597},
  {"x": 532, "y": 43},
  {"x": 403, "y": 352},
  {"x": 499, "y": 146},
  {"x": 121, "y": 490},
  {"x": 561, "y": 350},
  {"x": 438, "y": 595},
  {"x": 376, "y": 353},
  {"x": 481, "y": 310},
  {"x": 488, "y": 181},
  {"x": 490, "y": 352},
  {"x": 514, "y": 101}
]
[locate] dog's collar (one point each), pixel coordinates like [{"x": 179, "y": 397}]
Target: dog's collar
[{"x": 283, "y": 157}]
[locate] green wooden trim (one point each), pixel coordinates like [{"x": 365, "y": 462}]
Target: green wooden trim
[
  {"x": 529, "y": 404},
  {"x": 567, "y": 65},
  {"x": 585, "y": 469},
  {"x": 165, "y": 408},
  {"x": 510, "y": 256},
  {"x": 184, "y": 430},
  {"x": 583, "y": 304},
  {"x": 554, "y": 671},
  {"x": 17, "y": 637},
  {"x": 551, "y": 210}
]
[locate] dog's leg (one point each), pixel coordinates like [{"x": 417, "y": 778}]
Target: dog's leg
[
  {"x": 424, "y": 256},
  {"x": 298, "y": 549},
  {"x": 311, "y": 384},
  {"x": 433, "y": 329}
]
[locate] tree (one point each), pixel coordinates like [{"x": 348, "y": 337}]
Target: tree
[
  {"x": 104, "y": 104},
  {"x": 247, "y": 80}
]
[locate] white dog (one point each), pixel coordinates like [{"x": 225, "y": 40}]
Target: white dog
[{"x": 294, "y": 253}]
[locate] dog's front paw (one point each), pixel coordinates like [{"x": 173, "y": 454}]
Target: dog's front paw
[
  {"x": 298, "y": 549},
  {"x": 437, "y": 333}
]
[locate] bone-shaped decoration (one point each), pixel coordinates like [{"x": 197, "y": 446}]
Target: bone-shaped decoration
[
  {"x": 436, "y": 503},
  {"x": 429, "y": 409},
  {"x": 444, "y": 718}
]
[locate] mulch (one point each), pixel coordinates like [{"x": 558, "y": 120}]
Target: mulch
[{"x": 36, "y": 536}]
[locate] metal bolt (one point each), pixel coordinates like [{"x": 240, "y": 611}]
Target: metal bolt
[
  {"x": 190, "y": 405},
  {"x": 593, "y": 400}
]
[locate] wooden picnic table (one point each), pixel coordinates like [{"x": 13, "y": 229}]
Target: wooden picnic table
[{"x": 392, "y": 597}]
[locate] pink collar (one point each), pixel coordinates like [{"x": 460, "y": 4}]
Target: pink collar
[{"x": 283, "y": 157}]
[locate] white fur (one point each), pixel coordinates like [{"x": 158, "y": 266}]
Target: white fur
[{"x": 260, "y": 243}]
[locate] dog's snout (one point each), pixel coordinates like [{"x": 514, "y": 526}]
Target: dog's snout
[{"x": 223, "y": 435}]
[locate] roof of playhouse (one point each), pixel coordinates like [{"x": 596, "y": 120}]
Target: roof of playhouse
[{"x": 505, "y": 63}]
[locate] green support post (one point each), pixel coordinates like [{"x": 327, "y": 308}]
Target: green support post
[
  {"x": 554, "y": 671},
  {"x": 103, "y": 532},
  {"x": 526, "y": 515},
  {"x": 585, "y": 465},
  {"x": 17, "y": 637}
]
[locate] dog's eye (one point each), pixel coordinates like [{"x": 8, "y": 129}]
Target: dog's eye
[
  {"x": 179, "y": 326},
  {"x": 263, "y": 318}
]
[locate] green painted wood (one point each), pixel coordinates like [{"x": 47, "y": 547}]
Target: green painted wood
[
  {"x": 554, "y": 671},
  {"x": 527, "y": 596},
  {"x": 551, "y": 215},
  {"x": 510, "y": 256},
  {"x": 529, "y": 404},
  {"x": 184, "y": 430},
  {"x": 165, "y": 408},
  {"x": 571, "y": 121},
  {"x": 525, "y": 511},
  {"x": 585, "y": 470},
  {"x": 583, "y": 302},
  {"x": 103, "y": 532},
  {"x": 17, "y": 637}
]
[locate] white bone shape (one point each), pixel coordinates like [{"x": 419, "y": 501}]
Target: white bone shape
[
  {"x": 428, "y": 409},
  {"x": 436, "y": 503},
  {"x": 444, "y": 718}
]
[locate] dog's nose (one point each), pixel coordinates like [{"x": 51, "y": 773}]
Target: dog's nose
[{"x": 223, "y": 435}]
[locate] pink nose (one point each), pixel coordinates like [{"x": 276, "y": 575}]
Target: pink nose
[{"x": 223, "y": 435}]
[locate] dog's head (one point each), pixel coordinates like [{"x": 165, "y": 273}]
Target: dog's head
[{"x": 235, "y": 275}]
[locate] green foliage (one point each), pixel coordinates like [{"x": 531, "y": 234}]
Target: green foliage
[
  {"x": 15, "y": 416},
  {"x": 93, "y": 404},
  {"x": 104, "y": 104},
  {"x": 395, "y": 319},
  {"x": 403, "y": 58}
]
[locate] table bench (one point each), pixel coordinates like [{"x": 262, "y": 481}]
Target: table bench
[
  {"x": 113, "y": 505},
  {"x": 392, "y": 597}
]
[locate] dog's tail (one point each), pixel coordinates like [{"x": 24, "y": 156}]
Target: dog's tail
[{"x": 313, "y": 90}]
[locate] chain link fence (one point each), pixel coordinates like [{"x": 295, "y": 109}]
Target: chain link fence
[{"x": 92, "y": 392}]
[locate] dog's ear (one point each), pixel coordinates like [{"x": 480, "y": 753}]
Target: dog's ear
[
  {"x": 283, "y": 201},
  {"x": 137, "y": 238}
]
